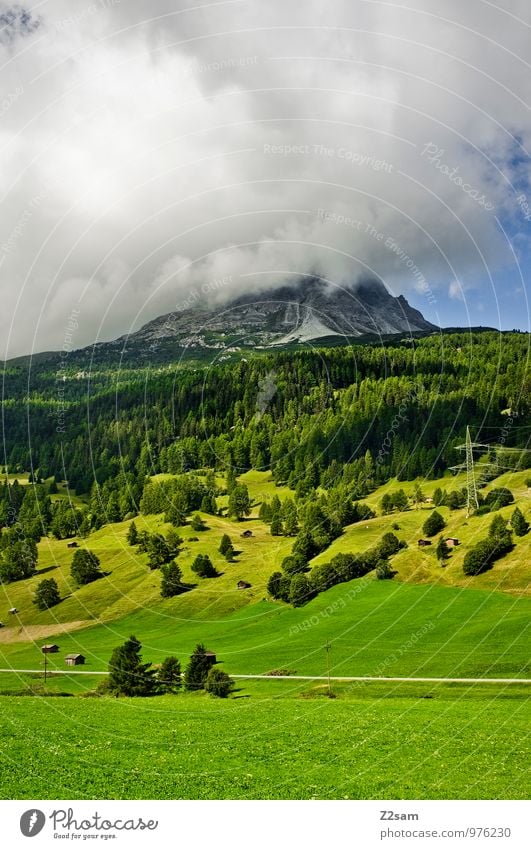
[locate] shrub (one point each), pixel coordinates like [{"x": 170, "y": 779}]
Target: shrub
[
  {"x": 198, "y": 524},
  {"x": 500, "y": 496},
  {"x": 218, "y": 683},
  {"x": 384, "y": 571}
]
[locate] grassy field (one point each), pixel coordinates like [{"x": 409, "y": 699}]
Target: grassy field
[{"x": 460, "y": 744}]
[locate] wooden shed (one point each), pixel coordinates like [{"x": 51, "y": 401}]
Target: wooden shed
[
  {"x": 451, "y": 542},
  {"x": 424, "y": 542},
  {"x": 75, "y": 659},
  {"x": 247, "y": 534},
  {"x": 50, "y": 648},
  {"x": 71, "y": 545},
  {"x": 13, "y": 610},
  {"x": 243, "y": 585}
]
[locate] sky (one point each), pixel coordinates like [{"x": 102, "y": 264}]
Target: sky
[{"x": 153, "y": 150}]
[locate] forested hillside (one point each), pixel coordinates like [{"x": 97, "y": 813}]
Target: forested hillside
[{"x": 360, "y": 412}]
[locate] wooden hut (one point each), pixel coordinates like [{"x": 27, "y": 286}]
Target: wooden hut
[
  {"x": 75, "y": 659},
  {"x": 50, "y": 648},
  {"x": 424, "y": 542},
  {"x": 243, "y": 585}
]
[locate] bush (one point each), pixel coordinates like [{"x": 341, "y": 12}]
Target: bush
[
  {"x": 433, "y": 524},
  {"x": 218, "y": 683},
  {"x": 389, "y": 545},
  {"x": 293, "y": 564},
  {"x": 500, "y": 497},
  {"x": 384, "y": 571},
  {"x": 198, "y": 524}
]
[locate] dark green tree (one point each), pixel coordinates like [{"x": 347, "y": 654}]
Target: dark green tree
[
  {"x": 433, "y": 524},
  {"x": 171, "y": 581},
  {"x": 132, "y": 534},
  {"x": 85, "y": 567},
  {"x": 300, "y": 590},
  {"x": 128, "y": 676},
  {"x": 203, "y": 567},
  {"x": 518, "y": 523},
  {"x": 169, "y": 675},
  {"x": 239, "y": 502},
  {"x": 196, "y": 672},
  {"x": 442, "y": 551},
  {"x": 47, "y": 594},
  {"x": 225, "y": 544}
]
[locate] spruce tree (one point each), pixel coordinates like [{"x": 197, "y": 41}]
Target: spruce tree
[
  {"x": 518, "y": 523},
  {"x": 171, "y": 583},
  {"x": 128, "y": 676},
  {"x": 198, "y": 668},
  {"x": 132, "y": 534},
  {"x": 169, "y": 675}
]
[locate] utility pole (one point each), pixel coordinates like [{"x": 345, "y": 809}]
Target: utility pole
[{"x": 45, "y": 666}]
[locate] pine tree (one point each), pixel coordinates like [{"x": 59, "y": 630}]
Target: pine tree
[
  {"x": 171, "y": 582},
  {"x": 169, "y": 675},
  {"x": 225, "y": 544},
  {"x": 198, "y": 668},
  {"x": 275, "y": 528},
  {"x": 518, "y": 523},
  {"x": 239, "y": 502},
  {"x": 132, "y": 534},
  {"x": 128, "y": 676},
  {"x": 442, "y": 551}
]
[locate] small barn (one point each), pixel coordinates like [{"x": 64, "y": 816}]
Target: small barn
[
  {"x": 247, "y": 534},
  {"x": 13, "y": 610},
  {"x": 424, "y": 542},
  {"x": 75, "y": 659},
  {"x": 51, "y": 648},
  {"x": 451, "y": 542},
  {"x": 243, "y": 585},
  {"x": 71, "y": 545}
]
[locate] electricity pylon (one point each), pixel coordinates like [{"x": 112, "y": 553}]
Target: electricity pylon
[{"x": 472, "y": 502}]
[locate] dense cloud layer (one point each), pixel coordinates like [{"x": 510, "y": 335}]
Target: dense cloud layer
[{"x": 148, "y": 148}]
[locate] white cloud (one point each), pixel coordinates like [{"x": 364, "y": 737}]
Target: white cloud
[{"x": 148, "y": 132}]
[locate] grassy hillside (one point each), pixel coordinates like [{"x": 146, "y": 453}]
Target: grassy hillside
[{"x": 429, "y": 621}]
